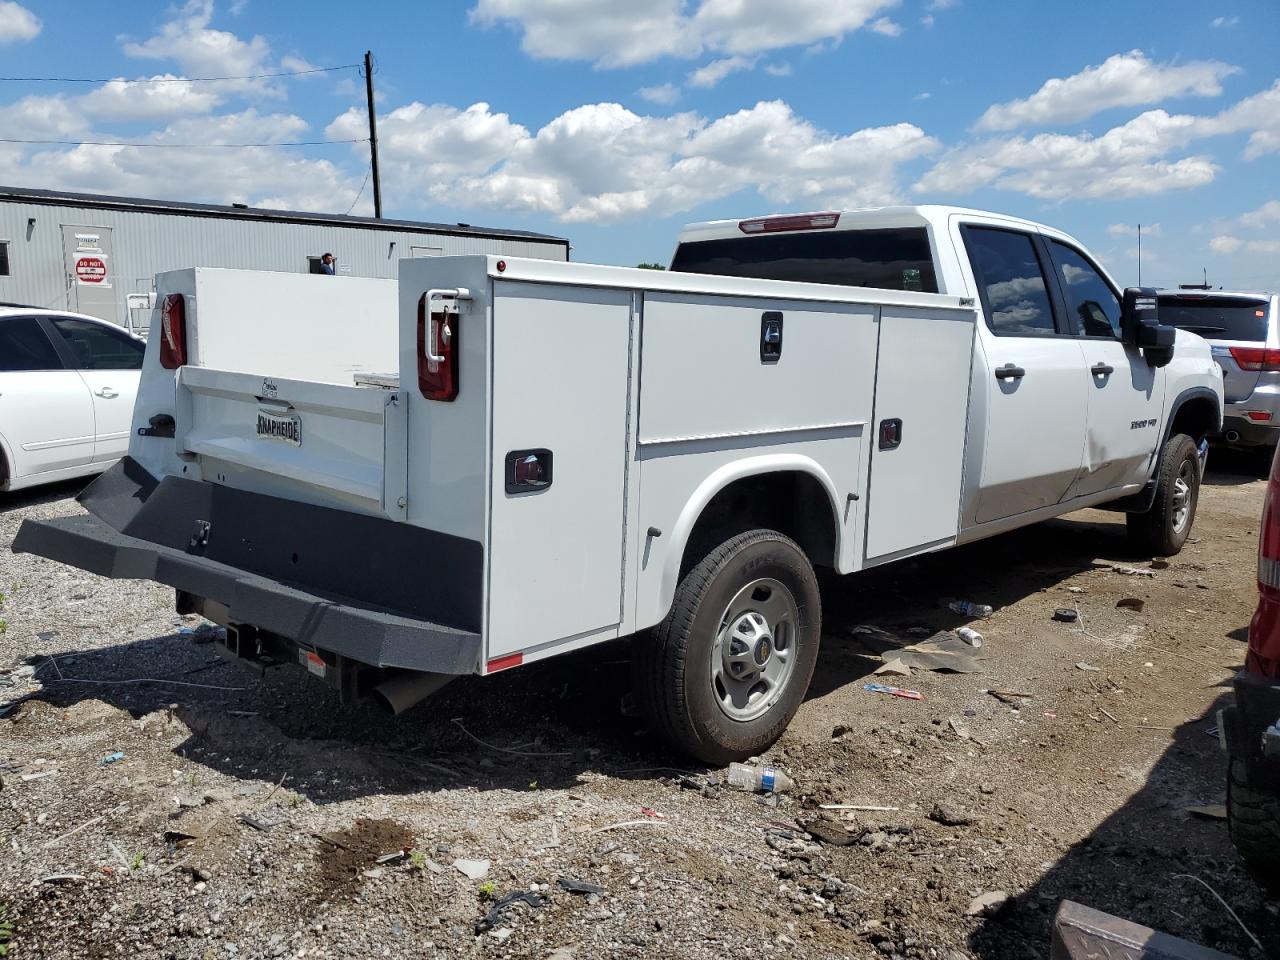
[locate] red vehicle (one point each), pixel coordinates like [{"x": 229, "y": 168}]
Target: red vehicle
[{"x": 1251, "y": 728}]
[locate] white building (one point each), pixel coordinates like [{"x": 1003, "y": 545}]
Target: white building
[{"x": 99, "y": 255}]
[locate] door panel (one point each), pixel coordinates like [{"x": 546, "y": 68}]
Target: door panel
[
  {"x": 90, "y": 272},
  {"x": 1036, "y": 399},
  {"x": 109, "y": 361},
  {"x": 1126, "y": 394},
  {"x": 46, "y": 412},
  {"x": 556, "y": 551}
]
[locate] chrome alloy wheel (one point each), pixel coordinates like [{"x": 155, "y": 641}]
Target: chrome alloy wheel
[
  {"x": 753, "y": 657},
  {"x": 1182, "y": 495}
]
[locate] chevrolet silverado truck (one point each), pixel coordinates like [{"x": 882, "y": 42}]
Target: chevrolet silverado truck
[{"x": 564, "y": 454}]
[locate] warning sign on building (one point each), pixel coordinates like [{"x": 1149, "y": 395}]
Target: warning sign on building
[{"x": 91, "y": 270}]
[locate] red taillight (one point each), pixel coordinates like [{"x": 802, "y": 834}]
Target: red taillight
[
  {"x": 173, "y": 332},
  {"x": 803, "y": 221},
  {"x": 437, "y": 351},
  {"x": 1256, "y": 358},
  {"x": 1258, "y": 416}
]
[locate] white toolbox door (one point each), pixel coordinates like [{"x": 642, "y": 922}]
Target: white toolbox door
[
  {"x": 922, "y": 380},
  {"x": 560, "y": 382}
]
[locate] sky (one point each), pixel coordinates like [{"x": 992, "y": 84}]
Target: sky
[{"x": 615, "y": 122}]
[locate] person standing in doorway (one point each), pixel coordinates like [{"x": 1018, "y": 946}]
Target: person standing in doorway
[{"x": 329, "y": 265}]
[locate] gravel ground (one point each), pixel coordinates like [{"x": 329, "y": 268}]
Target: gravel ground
[{"x": 247, "y": 817}]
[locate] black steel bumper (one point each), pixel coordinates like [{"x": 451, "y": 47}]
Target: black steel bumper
[
  {"x": 379, "y": 592},
  {"x": 1245, "y": 727}
]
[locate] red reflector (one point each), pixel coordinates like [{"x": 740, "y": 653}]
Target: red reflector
[
  {"x": 173, "y": 332},
  {"x": 1256, "y": 358},
  {"x": 437, "y": 352},
  {"x": 1258, "y": 416},
  {"x": 504, "y": 663},
  {"x": 802, "y": 221}
]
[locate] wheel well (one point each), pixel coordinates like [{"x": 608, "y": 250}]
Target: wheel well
[
  {"x": 792, "y": 502},
  {"x": 1197, "y": 418}
]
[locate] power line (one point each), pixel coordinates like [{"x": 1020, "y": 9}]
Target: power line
[
  {"x": 184, "y": 146},
  {"x": 358, "y": 195},
  {"x": 256, "y": 76}
]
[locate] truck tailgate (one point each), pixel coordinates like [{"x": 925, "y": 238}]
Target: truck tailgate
[{"x": 349, "y": 443}]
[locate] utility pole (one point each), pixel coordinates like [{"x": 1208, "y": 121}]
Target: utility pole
[
  {"x": 373, "y": 134},
  {"x": 1139, "y": 254}
]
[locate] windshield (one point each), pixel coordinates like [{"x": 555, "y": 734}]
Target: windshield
[
  {"x": 1216, "y": 318},
  {"x": 898, "y": 259}
]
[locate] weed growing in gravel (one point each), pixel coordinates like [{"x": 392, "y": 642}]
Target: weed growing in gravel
[
  {"x": 487, "y": 890},
  {"x": 4, "y": 625},
  {"x": 6, "y": 925},
  {"x": 136, "y": 863},
  {"x": 417, "y": 859}
]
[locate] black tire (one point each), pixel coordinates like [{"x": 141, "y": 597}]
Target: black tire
[
  {"x": 1253, "y": 817},
  {"x": 1156, "y": 531},
  {"x": 673, "y": 662}
]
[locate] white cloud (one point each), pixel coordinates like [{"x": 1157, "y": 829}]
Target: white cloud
[
  {"x": 1126, "y": 161},
  {"x": 1224, "y": 243},
  {"x": 923, "y": 95},
  {"x": 139, "y": 100},
  {"x": 779, "y": 69},
  {"x": 717, "y": 70},
  {"x": 666, "y": 94},
  {"x": 604, "y": 163},
  {"x": 1219, "y": 22},
  {"x": 17, "y": 23},
  {"x": 927, "y": 21},
  {"x": 886, "y": 27},
  {"x": 43, "y": 118},
  {"x": 1131, "y": 230},
  {"x": 1258, "y": 219},
  {"x": 1258, "y": 114},
  {"x": 1126, "y": 79},
  {"x": 1263, "y": 246},
  {"x": 620, "y": 33}
]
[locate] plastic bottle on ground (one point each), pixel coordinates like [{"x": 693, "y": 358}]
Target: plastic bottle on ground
[
  {"x": 967, "y": 608},
  {"x": 972, "y": 637},
  {"x": 758, "y": 779}
]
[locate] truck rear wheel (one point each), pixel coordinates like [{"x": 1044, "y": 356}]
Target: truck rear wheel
[
  {"x": 1253, "y": 817},
  {"x": 722, "y": 676},
  {"x": 1164, "y": 528}
]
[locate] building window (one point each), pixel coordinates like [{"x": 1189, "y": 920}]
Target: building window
[
  {"x": 313, "y": 265},
  {"x": 4, "y": 258}
]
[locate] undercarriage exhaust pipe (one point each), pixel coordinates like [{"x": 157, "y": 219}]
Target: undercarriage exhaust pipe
[
  {"x": 404, "y": 689},
  {"x": 1232, "y": 436}
]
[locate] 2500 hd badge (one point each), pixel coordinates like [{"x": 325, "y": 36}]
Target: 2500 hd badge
[{"x": 1140, "y": 424}]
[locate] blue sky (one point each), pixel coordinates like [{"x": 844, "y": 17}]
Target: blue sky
[{"x": 613, "y": 122}]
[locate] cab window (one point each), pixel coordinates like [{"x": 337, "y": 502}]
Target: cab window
[
  {"x": 1012, "y": 282},
  {"x": 1090, "y": 299}
]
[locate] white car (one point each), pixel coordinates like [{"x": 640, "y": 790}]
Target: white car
[{"x": 67, "y": 388}]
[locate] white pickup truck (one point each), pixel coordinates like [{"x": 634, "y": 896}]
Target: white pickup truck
[{"x": 569, "y": 454}]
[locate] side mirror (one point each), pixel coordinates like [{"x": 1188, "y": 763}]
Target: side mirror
[
  {"x": 1141, "y": 306},
  {"x": 1156, "y": 342}
]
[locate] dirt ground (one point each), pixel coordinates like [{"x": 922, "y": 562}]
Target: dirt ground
[{"x": 259, "y": 818}]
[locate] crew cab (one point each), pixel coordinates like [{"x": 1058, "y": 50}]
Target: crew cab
[{"x": 564, "y": 454}]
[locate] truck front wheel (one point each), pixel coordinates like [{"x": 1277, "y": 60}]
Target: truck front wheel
[
  {"x": 1164, "y": 528},
  {"x": 722, "y": 676}
]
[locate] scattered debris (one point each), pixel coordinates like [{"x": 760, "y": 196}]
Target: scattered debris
[
  {"x": 472, "y": 869},
  {"x": 972, "y": 637},
  {"x": 759, "y": 779},
  {"x": 858, "y": 806},
  {"x": 1159, "y": 564},
  {"x": 1076, "y": 590},
  {"x": 1066, "y": 615},
  {"x": 1088, "y": 667},
  {"x": 893, "y": 691},
  {"x": 263, "y": 824},
  {"x": 943, "y": 651},
  {"x": 1249, "y": 933},
  {"x": 392, "y": 857},
  {"x": 1010, "y": 696},
  {"x": 1109, "y": 716},
  {"x": 1212, "y": 811},
  {"x": 111, "y": 758},
  {"x": 1130, "y": 571},
  {"x": 958, "y": 728},
  {"x": 650, "y": 812},
  {"x": 987, "y": 904},
  {"x": 63, "y": 878},
  {"x": 1131, "y": 603},
  {"x": 833, "y": 834},
  {"x": 457, "y": 721},
  {"x": 967, "y": 608},
  {"x": 28, "y": 777},
  {"x": 499, "y": 909},
  {"x": 894, "y": 668},
  {"x": 627, "y": 823},
  {"x": 573, "y": 885}
]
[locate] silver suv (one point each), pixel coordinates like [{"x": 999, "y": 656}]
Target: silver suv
[{"x": 1244, "y": 331}]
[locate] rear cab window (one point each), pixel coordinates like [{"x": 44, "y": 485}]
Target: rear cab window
[
  {"x": 886, "y": 259},
  {"x": 1217, "y": 318}
]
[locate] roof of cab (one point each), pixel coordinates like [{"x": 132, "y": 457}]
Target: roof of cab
[{"x": 865, "y": 218}]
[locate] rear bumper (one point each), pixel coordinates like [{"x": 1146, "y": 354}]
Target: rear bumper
[
  {"x": 395, "y": 576},
  {"x": 1249, "y": 729},
  {"x": 1251, "y": 433}
]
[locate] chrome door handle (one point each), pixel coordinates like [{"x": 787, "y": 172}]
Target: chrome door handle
[
  {"x": 1102, "y": 369},
  {"x": 1010, "y": 372},
  {"x": 106, "y": 393}
]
